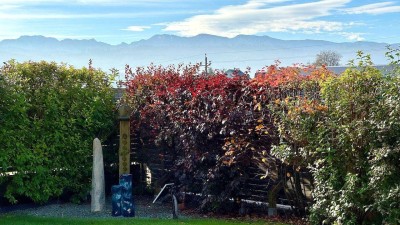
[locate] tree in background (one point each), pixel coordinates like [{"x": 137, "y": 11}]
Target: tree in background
[{"x": 327, "y": 58}]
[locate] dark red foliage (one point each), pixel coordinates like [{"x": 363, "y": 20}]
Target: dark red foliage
[{"x": 217, "y": 125}]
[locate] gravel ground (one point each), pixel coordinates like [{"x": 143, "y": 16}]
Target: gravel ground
[{"x": 144, "y": 208}]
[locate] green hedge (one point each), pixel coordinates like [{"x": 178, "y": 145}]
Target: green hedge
[
  {"x": 49, "y": 115},
  {"x": 349, "y": 138}
]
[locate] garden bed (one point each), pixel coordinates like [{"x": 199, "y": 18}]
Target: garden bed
[
  {"x": 146, "y": 213},
  {"x": 143, "y": 209}
]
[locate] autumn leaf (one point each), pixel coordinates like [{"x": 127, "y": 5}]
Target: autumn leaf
[{"x": 259, "y": 127}]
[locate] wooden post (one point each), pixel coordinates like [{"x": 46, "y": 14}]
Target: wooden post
[
  {"x": 124, "y": 140},
  {"x": 272, "y": 195}
]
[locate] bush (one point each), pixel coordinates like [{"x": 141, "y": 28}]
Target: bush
[
  {"x": 193, "y": 113},
  {"x": 49, "y": 115},
  {"x": 344, "y": 129},
  {"x": 349, "y": 138},
  {"x": 216, "y": 125}
]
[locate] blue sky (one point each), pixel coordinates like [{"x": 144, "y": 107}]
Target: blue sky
[{"x": 116, "y": 21}]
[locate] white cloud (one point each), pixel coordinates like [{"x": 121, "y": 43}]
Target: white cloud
[
  {"x": 137, "y": 28},
  {"x": 90, "y": 2},
  {"x": 25, "y": 16},
  {"x": 258, "y": 16},
  {"x": 351, "y": 36},
  {"x": 32, "y": 9},
  {"x": 251, "y": 17},
  {"x": 7, "y": 7},
  {"x": 375, "y": 8},
  {"x": 29, "y": 2}
]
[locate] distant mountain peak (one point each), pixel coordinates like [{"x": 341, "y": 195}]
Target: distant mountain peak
[
  {"x": 237, "y": 52},
  {"x": 208, "y": 36},
  {"x": 164, "y": 36},
  {"x": 35, "y": 37}
]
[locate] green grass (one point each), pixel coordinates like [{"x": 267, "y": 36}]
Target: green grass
[{"x": 31, "y": 220}]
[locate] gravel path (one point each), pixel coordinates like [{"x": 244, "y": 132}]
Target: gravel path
[{"x": 144, "y": 208}]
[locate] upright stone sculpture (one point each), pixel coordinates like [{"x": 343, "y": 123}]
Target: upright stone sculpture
[{"x": 98, "y": 190}]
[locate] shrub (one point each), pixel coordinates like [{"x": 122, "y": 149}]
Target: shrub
[
  {"x": 344, "y": 129},
  {"x": 349, "y": 139},
  {"x": 217, "y": 125},
  {"x": 49, "y": 115},
  {"x": 193, "y": 113}
]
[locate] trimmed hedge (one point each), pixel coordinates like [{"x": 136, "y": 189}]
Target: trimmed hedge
[
  {"x": 49, "y": 115},
  {"x": 344, "y": 129}
]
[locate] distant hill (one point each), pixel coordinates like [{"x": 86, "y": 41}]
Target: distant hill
[{"x": 224, "y": 53}]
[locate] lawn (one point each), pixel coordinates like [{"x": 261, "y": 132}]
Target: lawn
[{"x": 31, "y": 220}]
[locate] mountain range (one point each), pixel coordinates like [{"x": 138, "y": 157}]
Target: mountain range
[{"x": 224, "y": 53}]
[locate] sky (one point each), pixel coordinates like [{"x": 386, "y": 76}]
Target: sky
[{"x": 117, "y": 21}]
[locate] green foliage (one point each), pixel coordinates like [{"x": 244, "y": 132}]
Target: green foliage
[
  {"x": 49, "y": 115},
  {"x": 361, "y": 120},
  {"x": 349, "y": 138}
]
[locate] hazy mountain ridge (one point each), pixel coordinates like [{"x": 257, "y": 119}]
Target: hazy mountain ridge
[{"x": 225, "y": 53}]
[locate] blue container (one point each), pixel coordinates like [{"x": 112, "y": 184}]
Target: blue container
[
  {"x": 126, "y": 182},
  {"x": 128, "y": 208},
  {"x": 116, "y": 191}
]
